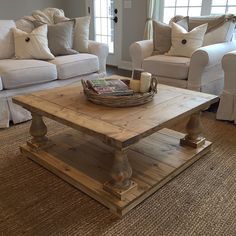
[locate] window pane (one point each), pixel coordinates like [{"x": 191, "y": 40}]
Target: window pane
[
  {"x": 183, "y": 11},
  {"x": 219, "y": 2},
  {"x": 182, "y": 3},
  {"x": 98, "y": 26},
  {"x": 195, "y": 3},
  {"x": 97, "y": 8},
  {"x": 232, "y": 10},
  {"x": 169, "y": 3},
  {"x": 98, "y": 38},
  {"x": 194, "y": 11},
  {"x": 232, "y": 2},
  {"x": 168, "y": 14},
  {"x": 111, "y": 44},
  {"x": 218, "y": 10},
  {"x": 104, "y": 26}
]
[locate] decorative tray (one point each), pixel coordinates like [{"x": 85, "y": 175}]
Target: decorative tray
[{"x": 121, "y": 101}]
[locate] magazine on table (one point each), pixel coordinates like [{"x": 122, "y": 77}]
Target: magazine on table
[{"x": 111, "y": 87}]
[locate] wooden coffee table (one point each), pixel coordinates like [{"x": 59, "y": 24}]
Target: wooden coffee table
[{"x": 118, "y": 156}]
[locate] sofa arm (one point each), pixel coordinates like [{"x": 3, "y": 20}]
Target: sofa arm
[
  {"x": 101, "y": 50},
  {"x": 139, "y": 51},
  {"x": 204, "y": 58}
]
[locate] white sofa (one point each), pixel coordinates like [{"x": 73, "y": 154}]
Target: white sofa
[
  {"x": 227, "y": 106},
  {"x": 25, "y": 76},
  {"x": 202, "y": 72}
]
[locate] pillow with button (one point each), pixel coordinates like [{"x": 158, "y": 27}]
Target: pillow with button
[
  {"x": 32, "y": 45},
  {"x": 184, "y": 43}
]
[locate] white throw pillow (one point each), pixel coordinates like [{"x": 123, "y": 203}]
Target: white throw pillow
[
  {"x": 185, "y": 43},
  {"x": 6, "y": 39},
  {"x": 222, "y": 34},
  {"x": 81, "y": 34},
  {"x": 32, "y": 45}
]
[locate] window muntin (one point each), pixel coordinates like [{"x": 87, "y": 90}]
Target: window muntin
[{"x": 195, "y": 8}]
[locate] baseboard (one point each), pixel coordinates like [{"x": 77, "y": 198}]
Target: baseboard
[{"x": 125, "y": 65}]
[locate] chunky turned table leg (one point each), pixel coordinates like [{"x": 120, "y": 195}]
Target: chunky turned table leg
[
  {"x": 121, "y": 173},
  {"x": 38, "y": 131},
  {"x": 194, "y": 130}
]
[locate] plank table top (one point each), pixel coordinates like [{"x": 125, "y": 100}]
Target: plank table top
[{"x": 118, "y": 127}]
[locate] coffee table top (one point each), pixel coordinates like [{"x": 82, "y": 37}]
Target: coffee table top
[{"x": 119, "y": 127}]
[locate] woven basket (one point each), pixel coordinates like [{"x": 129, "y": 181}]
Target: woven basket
[{"x": 121, "y": 101}]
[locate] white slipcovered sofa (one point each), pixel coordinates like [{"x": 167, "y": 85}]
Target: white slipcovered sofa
[
  {"x": 25, "y": 76},
  {"x": 227, "y": 106},
  {"x": 202, "y": 72}
]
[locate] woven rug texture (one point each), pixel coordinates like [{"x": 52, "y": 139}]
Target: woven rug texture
[{"x": 199, "y": 201}]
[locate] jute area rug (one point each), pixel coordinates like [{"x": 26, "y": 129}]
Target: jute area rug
[{"x": 200, "y": 201}]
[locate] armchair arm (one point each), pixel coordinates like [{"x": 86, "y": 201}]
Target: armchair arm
[
  {"x": 203, "y": 59},
  {"x": 228, "y": 64},
  {"x": 101, "y": 51},
  {"x": 139, "y": 51}
]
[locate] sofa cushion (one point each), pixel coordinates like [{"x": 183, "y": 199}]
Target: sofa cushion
[
  {"x": 6, "y": 39},
  {"x": 167, "y": 66},
  {"x": 21, "y": 73},
  {"x": 70, "y": 66}
]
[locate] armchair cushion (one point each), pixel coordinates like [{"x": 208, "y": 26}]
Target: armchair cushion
[{"x": 167, "y": 66}]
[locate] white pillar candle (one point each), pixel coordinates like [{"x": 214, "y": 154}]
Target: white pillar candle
[
  {"x": 135, "y": 85},
  {"x": 145, "y": 82}
]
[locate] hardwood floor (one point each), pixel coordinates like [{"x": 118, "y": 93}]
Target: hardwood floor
[{"x": 111, "y": 70}]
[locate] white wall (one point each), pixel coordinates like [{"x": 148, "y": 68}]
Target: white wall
[
  {"x": 74, "y": 8},
  {"x": 133, "y": 25},
  {"x": 14, "y": 9}
]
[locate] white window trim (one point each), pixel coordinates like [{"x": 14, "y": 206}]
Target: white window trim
[{"x": 205, "y": 9}]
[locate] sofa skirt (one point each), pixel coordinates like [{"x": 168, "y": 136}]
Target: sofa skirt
[
  {"x": 15, "y": 113},
  {"x": 227, "y": 106}
]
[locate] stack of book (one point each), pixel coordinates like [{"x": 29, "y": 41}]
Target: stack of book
[{"x": 110, "y": 87}]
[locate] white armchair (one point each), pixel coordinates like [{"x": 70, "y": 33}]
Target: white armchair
[
  {"x": 202, "y": 72},
  {"x": 227, "y": 106}
]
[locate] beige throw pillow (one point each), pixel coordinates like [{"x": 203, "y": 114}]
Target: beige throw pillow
[
  {"x": 185, "y": 43},
  {"x": 81, "y": 34},
  {"x": 162, "y": 35},
  {"x": 32, "y": 45},
  {"x": 60, "y": 38}
]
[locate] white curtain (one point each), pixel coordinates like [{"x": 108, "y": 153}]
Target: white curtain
[{"x": 153, "y": 7}]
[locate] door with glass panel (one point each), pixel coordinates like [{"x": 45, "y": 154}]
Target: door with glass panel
[{"x": 106, "y": 25}]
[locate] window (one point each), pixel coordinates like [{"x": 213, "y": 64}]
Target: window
[
  {"x": 223, "y": 6},
  {"x": 170, "y": 8}
]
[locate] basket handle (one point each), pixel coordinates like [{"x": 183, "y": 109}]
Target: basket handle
[{"x": 154, "y": 83}]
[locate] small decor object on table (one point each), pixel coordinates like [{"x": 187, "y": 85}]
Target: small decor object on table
[
  {"x": 117, "y": 98},
  {"x": 114, "y": 87},
  {"x": 145, "y": 82},
  {"x": 135, "y": 81}
]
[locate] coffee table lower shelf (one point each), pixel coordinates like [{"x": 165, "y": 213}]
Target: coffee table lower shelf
[{"x": 85, "y": 163}]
